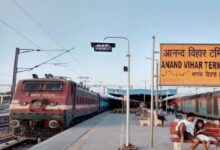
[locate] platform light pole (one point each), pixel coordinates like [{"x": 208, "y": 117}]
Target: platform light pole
[
  {"x": 157, "y": 84},
  {"x": 152, "y": 93},
  {"x": 152, "y": 90},
  {"x": 127, "y": 144},
  {"x": 107, "y": 47},
  {"x": 157, "y": 79}
]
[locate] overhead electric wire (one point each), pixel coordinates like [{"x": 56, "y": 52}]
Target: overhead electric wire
[
  {"x": 19, "y": 33},
  {"x": 38, "y": 24},
  {"x": 22, "y": 35},
  {"x": 28, "y": 69},
  {"x": 29, "y": 40}
]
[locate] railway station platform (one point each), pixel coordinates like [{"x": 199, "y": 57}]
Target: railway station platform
[{"x": 107, "y": 132}]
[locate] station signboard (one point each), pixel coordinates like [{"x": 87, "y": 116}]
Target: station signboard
[
  {"x": 190, "y": 64},
  {"x": 102, "y": 47}
]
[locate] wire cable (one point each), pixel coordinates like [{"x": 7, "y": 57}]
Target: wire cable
[
  {"x": 29, "y": 40},
  {"x": 41, "y": 27},
  {"x": 36, "y": 66},
  {"x": 19, "y": 33},
  {"x": 38, "y": 24}
]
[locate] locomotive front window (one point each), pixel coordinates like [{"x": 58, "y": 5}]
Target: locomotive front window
[
  {"x": 31, "y": 86},
  {"x": 53, "y": 86}
]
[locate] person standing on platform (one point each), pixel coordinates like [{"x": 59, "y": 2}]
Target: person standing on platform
[{"x": 161, "y": 115}]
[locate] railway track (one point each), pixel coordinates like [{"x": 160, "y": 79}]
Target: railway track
[
  {"x": 6, "y": 139},
  {"x": 12, "y": 141},
  {"x": 4, "y": 122},
  {"x": 3, "y": 125}
]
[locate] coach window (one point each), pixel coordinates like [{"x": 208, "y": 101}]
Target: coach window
[{"x": 31, "y": 86}]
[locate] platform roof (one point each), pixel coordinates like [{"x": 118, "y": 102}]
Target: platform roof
[{"x": 121, "y": 92}]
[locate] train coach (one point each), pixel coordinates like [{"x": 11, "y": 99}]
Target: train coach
[
  {"x": 204, "y": 105},
  {"x": 45, "y": 106}
]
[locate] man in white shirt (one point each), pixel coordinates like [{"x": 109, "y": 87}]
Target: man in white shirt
[{"x": 185, "y": 130}]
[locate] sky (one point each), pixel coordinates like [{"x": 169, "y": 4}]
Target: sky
[{"x": 66, "y": 24}]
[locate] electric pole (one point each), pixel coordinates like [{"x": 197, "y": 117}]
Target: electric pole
[{"x": 17, "y": 51}]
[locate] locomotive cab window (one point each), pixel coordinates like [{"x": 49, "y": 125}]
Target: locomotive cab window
[
  {"x": 52, "y": 86},
  {"x": 31, "y": 86}
]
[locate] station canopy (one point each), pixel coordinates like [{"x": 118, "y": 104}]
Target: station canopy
[{"x": 138, "y": 94}]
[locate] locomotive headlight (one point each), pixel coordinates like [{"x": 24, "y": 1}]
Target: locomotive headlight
[
  {"x": 23, "y": 104},
  {"x": 15, "y": 123},
  {"x": 53, "y": 124},
  {"x": 53, "y": 104},
  {"x": 37, "y": 103}
]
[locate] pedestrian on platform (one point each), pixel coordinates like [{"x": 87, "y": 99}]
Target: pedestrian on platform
[
  {"x": 168, "y": 109},
  {"x": 185, "y": 130},
  {"x": 172, "y": 108},
  {"x": 161, "y": 115}
]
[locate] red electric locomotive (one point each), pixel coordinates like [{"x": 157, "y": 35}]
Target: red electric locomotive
[{"x": 45, "y": 106}]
